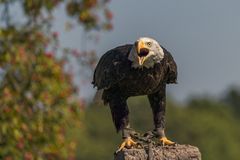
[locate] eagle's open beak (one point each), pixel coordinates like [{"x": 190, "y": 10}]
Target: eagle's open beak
[
  {"x": 141, "y": 60},
  {"x": 139, "y": 46}
]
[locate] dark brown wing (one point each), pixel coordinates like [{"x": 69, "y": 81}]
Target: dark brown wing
[
  {"x": 171, "y": 67},
  {"x": 112, "y": 67}
]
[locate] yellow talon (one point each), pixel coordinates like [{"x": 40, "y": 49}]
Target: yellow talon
[
  {"x": 165, "y": 141},
  {"x": 128, "y": 142}
]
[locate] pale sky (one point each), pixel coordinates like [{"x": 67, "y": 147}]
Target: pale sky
[{"x": 202, "y": 35}]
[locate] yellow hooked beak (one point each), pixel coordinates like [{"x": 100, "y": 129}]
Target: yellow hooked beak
[{"x": 140, "y": 45}]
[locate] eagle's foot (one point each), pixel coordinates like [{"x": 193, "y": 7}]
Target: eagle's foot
[
  {"x": 128, "y": 143},
  {"x": 166, "y": 141}
]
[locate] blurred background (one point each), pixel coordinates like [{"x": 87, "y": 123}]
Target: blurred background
[{"x": 48, "y": 50}]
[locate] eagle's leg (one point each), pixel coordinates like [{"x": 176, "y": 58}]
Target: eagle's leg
[
  {"x": 119, "y": 110},
  {"x": 158, "y": 104}
]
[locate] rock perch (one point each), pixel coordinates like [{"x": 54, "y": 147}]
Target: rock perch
[{"x": 174, "y": 152}]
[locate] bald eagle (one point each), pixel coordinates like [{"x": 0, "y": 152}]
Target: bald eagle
[{"x": 142, "y": 68}]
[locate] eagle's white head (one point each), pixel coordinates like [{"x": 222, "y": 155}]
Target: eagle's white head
[{"x": 145, "y": 53}]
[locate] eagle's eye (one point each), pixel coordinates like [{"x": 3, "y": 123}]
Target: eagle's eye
[{"x": 149, "y": 44}]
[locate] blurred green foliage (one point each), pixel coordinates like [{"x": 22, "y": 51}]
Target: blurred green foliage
[
  {"x": 38, "y": 101},
  {"x": 207, "y": 123}
]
